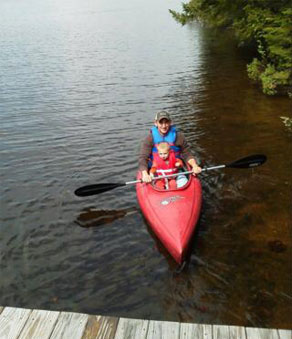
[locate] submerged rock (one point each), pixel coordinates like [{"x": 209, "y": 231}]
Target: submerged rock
[{"x": 277, "y": 246}]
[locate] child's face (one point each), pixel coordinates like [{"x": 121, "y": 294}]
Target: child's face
[{"x": 163, "y": 154}]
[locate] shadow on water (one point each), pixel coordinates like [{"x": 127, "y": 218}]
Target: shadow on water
[{"x": 90, "y": 217}]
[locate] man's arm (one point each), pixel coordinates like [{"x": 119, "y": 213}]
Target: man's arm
[
  {"x": 181, "y": 141},
  {"x": 186, "y": 153},
  {"x": 145, "y": 151}
]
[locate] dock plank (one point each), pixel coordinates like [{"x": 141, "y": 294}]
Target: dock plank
[
  {"x": 132, "y": 329},
  {"x": 70, "y": 325},
  {"x": 17, "y": 323},
  {"x": 99, "y": 327},
  {"x": 195, "y": 331},
  {"x": 12, "y": 321},
  {"x": 170, "y": 329},
  {"x": 237, "y": 332},
  {"x": 40, "y": 324},
  {"x": 261, "y": 333},
  {"x": 220, "y": 332},
  {"x": 285, "y": 334},
  {"x": 154, "y": 330}
]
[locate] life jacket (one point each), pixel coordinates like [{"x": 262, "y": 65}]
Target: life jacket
[
  {"x": 170, "y": 138},
  {"x": 162, "y": 168}
]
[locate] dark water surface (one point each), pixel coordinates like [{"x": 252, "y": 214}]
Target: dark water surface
[{"x": 80, "y": 82}]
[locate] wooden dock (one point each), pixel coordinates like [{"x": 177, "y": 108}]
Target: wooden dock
[{"x": 39, "y": 324}]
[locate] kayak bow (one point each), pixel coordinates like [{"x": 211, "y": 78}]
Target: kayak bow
[{"x": 172, "y": 214}]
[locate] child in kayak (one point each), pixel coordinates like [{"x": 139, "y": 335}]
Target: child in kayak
[{"x": 165, "y": 163}]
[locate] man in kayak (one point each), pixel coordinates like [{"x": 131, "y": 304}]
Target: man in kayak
[
  {"x": 163, "y": 130},
  {"x": 165, "y": 163}
]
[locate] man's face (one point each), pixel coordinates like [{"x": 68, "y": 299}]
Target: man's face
[{"x": 163, "y": 126}]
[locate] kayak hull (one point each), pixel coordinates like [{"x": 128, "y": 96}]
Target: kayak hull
[{"x": 172, "y": 214}]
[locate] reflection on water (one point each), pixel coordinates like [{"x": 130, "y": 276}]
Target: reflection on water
[{"x": 82, "y": 83}]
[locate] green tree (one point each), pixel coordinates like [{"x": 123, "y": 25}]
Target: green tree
[{"x": 264, "y": 24}]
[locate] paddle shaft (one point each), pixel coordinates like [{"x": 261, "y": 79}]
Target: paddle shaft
[
  {"x": 247, "y": 162},
  {"x": 175, "y": 174}
]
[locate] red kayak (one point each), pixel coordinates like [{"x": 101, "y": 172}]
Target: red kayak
[{"x": 172, "y": 214}]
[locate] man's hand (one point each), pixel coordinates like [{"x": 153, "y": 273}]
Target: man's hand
[
  {"x": 196, "y": 169},
  {"x": 146, "y": 177}
]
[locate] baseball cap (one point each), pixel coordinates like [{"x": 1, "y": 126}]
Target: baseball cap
[{"x": 162, "y": 115}]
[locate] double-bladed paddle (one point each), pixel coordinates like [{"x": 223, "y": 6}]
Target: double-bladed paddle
[{"x": 247, "y": 162}]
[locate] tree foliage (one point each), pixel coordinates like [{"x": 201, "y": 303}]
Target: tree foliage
[{"x": 267, "y": 24}]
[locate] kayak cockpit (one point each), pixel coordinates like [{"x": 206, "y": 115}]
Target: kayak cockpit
[{"x": 182, "y": 182}]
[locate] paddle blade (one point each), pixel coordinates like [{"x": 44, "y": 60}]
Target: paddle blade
[
  {"x": 95, "y": 189},
  {"x": 250, "y": 161}
]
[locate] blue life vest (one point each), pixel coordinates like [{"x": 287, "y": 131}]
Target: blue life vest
[{"x": 170, "y": 137}]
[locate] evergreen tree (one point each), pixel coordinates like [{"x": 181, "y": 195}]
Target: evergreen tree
[{"x": 263, "y": 23}]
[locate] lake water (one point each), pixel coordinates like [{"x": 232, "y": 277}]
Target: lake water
[{"x": 80, "y": 84}]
